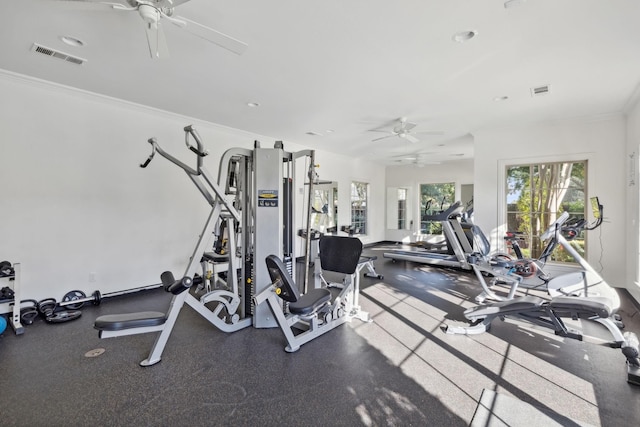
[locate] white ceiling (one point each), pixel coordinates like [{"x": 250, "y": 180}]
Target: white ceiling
[{"x": 348, "y": 66}]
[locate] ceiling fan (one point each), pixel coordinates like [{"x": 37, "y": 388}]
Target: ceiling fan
[
  {"x": 153, "y": 12},
  {"x": 403, "y": 129}
]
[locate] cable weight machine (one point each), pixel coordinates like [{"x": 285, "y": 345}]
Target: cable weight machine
[{"x": 254, "y": 196}]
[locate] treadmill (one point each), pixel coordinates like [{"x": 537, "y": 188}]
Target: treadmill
[{"x": 458, "y": 244}]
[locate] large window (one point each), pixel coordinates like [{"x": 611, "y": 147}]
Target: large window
[
  {"x": 359, "y": 192},
  {"x": 537, "y": 194},
  {"x": 434, "y": 198}
]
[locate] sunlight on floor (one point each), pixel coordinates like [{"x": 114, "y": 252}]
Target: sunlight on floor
[{"x": 456, "y": 368}]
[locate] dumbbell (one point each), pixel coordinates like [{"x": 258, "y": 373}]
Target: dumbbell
[
  {"x": 6, "y": 269},
  {"x": 6, "y": 293}
]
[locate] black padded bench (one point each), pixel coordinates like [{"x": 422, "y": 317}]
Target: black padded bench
[
  {"x": 118, "y": 322},
  {"x": 214, "y": 257}
]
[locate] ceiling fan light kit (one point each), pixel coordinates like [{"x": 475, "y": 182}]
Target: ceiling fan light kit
[{"x": 464, "y": 36}]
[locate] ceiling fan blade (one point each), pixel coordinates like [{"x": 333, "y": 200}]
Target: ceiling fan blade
[
  {"x": 383, "y": 137},
  {"x": 96, "y": 1},
  {"x": 157, "y": 42},
  {"x": 411, "y": 138},
  {"x": 81, "y": 5},
  {"x": 211, "y": 35},
  {"x": 408, "y": 125},
  {"x": 429, "y": 132},
  {"x": 175, "y": 3}
]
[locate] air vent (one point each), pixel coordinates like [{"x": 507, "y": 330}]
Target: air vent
[
  {"x": 57, "y": 54},
  {"x": 540, "y": 90}
]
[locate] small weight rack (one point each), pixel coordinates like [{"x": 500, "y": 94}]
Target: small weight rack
[{"x": 10, "y": 277}]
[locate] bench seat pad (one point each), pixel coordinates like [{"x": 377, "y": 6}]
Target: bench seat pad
[
  {"x": 310, "y": 302},
  {"x": 518, "y": 305},
  {"x": 214, "y": 257},
  {"x": 118, "y": 322}
]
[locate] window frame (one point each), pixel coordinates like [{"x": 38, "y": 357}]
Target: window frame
[{"x": 496, "y": 235}]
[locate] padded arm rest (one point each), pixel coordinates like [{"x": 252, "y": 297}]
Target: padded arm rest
[
  {"x": 118, "y": 322},
  {"x": 518, "y": 305},
  {"x": 214, "y": 257},
  {"x": 592, "y": 306}
]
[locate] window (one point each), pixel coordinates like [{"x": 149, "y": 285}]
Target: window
[
  {"x": 434, "y": 198},
  {"x": 359, "y": 192},
  {"x": 402, "y": 208},
  {"x": 537, "y": 194}
]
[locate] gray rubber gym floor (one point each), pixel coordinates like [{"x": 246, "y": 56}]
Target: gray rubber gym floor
[{"x": 399, "y": 370}]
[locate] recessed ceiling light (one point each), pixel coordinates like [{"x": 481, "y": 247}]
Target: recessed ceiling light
[
  {"x": 329, "y": 130},
  {"x": 464, "y": 36},
  {"x": 312, "y": 133},
  {"x": 253, "y": 104},
  {"x": 500, "y": 98},
  {"x": 72, "y": 41}
]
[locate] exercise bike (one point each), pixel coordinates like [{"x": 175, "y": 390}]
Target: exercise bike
[
  {"x": 582, "y": 294},
  {"x": 504, "y": 270}
]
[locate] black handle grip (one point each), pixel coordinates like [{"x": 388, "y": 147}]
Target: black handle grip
[
  {"x": 180, "y": 285},
  {"x": 146, "y": 163},
  {"x": 195, "y": 150}
]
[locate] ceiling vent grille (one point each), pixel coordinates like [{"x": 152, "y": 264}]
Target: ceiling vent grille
[
  {"x": 540, "y": 90},
  {"x": 57, "y": 54}
]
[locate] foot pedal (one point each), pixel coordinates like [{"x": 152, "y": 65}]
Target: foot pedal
[
  {"x": 631, "y": 350},
  {"x": 633, "y": 374}
]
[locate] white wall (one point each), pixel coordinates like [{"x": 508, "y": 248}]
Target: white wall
[
  {"x": 75, "y": 203},
  {"x": 602, "y": 141},
  {"x": 632, "y": 199},
  {"x": 460, "y": 172}
]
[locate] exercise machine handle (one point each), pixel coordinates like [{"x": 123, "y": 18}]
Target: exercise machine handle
[
  {"x": 200, "y": 151},
  {"x": 146, "y": 162},
  {"x": 157, "y": 149}
]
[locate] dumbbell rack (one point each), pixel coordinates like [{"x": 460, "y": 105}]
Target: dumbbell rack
[{"x": 13, "y": 306}]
